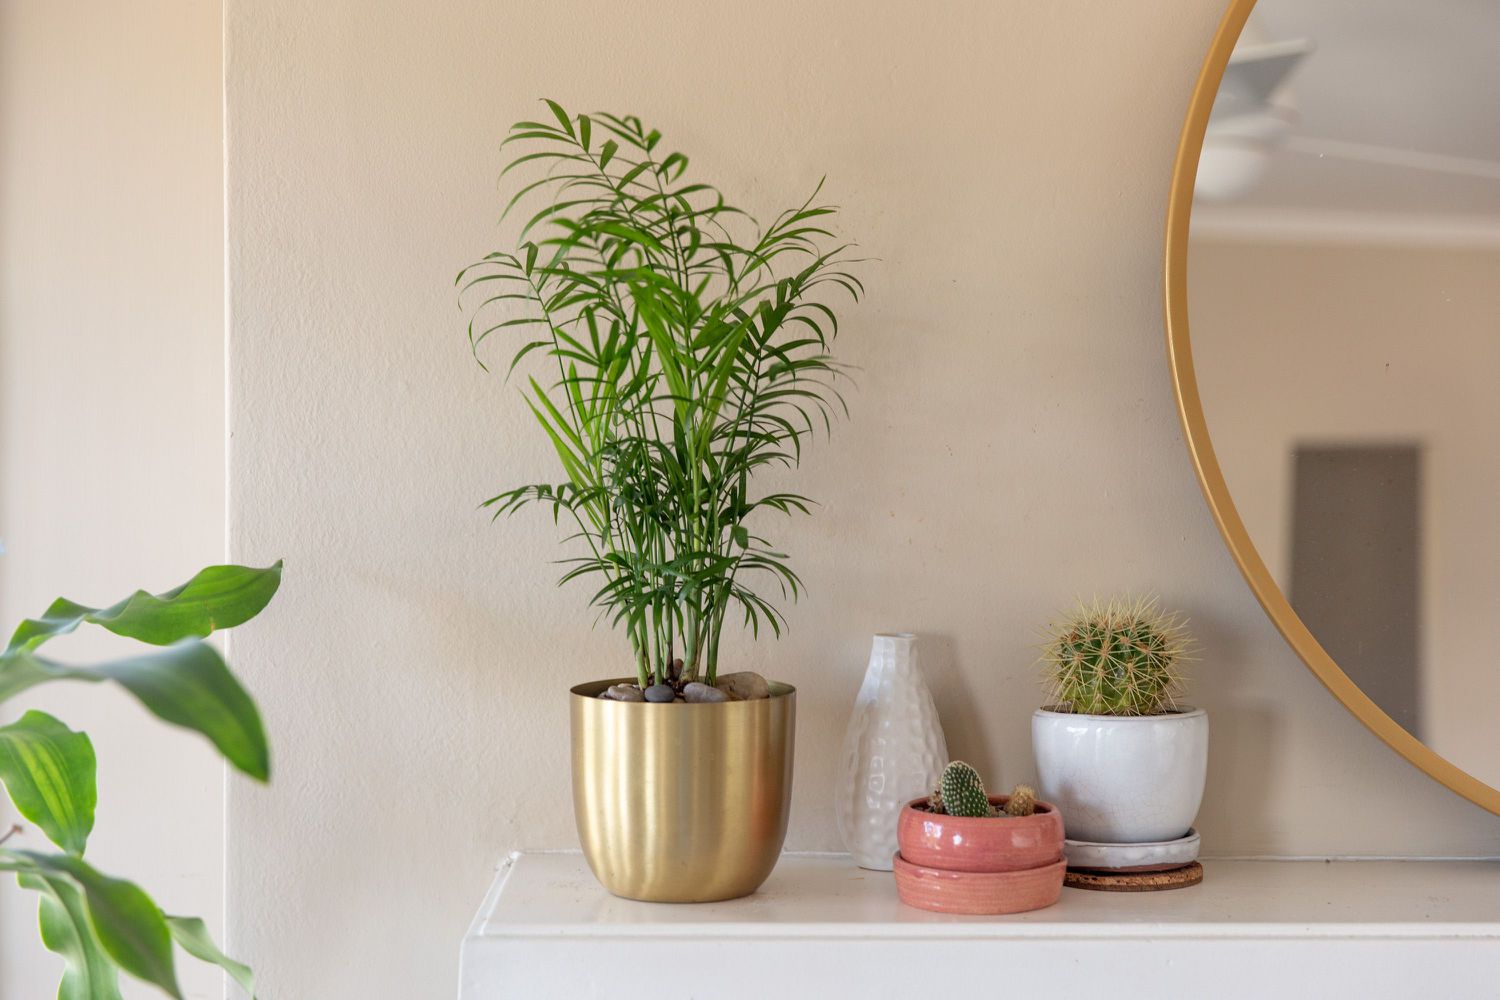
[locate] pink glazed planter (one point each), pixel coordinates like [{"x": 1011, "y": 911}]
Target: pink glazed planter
[
  {"x": 986, "y": 893},
  {"x": 980, "y": 843},
  {"x": 979, "y": 864}
]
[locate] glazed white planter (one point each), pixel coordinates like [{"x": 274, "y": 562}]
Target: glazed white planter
[
  {"x": 1122, "y": 779},
  {"x": 894, "y": 751}
]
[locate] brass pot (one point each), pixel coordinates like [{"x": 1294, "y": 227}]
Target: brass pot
[{"x": 682, "y": 803}]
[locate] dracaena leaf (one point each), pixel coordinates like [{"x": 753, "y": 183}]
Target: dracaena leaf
[
  {"x": 88, "y": 972},
  {"x": 48, "y": 770},
  {"x": 126, "y": 922},
  {"x": 192, "y": 935},
  {"x": 217, "y": 597},
  {"x": 186, "y": 684}
]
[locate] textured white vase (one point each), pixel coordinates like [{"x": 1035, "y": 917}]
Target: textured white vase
[{"x": 894, "y": 751}]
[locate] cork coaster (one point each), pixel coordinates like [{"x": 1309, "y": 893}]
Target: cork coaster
[{"x": 1177, "y": 878}]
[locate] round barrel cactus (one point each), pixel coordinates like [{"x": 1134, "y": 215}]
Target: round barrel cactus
[{"x": 1120, "y": 658}]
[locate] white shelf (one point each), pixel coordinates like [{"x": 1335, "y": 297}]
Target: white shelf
[{"x": 821, "y": 927}]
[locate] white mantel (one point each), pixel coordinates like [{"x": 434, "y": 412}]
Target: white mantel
[{"x": 822, "y": 928}]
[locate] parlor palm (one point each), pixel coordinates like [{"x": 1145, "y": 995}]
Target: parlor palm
[{"x": 673, "y": 349}]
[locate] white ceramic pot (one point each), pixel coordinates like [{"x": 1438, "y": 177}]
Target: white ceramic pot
[
  {"x": 894, "y": 751},
  {"x": 1122, "y": 779}
]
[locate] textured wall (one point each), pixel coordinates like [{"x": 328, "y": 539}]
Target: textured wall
[
  {"x": 112, "y": 403},
  {"x": 1014, "y": 440}
]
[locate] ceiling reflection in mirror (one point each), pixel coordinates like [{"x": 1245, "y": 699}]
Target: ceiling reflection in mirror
[{"x": 1344, "y": 290}]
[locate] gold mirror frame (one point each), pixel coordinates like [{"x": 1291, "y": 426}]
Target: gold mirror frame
[{"x": 1195, "y": 429}]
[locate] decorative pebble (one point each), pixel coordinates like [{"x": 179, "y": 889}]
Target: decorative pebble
[
  {"x": 661, "y": 693},
  {"x": 746, "y": 685},
  {"x": 698, "y": 693},
  {"x": 623, "y": 692}
]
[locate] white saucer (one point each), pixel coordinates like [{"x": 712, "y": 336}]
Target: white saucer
[{"x": 1158, "y": 856}]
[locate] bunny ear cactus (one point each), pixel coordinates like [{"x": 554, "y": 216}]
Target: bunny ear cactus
[
  {"x": 963, "y": 791},
  {"x": 1119, "y": 658},
  {"x": 960, "y": 785}
]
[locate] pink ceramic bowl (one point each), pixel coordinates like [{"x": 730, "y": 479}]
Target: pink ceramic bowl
[
  {"x": 979, "y": 843},
  {"x": 978, "y": 892}
]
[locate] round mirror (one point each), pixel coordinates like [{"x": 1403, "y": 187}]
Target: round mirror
[{"x": 1334, "y": 247}]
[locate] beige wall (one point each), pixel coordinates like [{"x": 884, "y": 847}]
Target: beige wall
[
  {"x": 1347, "y": 343},
  {"x": 112, "y": 400},
  {"x": 1014, "y": 441}
]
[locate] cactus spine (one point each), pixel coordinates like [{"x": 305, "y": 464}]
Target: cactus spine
[
  {"x": 1120, "y": 658},
  {"x": 963, "y": 792},
  {"x": 1022, "y": 801}
]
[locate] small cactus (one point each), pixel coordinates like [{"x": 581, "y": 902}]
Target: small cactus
[
  {"x": 963, "y": 792},
  {"x": 935, "y": 800},
  {"x": 1116, "y": 659},
  {"x": 1022, "y": 801}
]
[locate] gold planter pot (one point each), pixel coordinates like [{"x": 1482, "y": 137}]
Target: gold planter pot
[{"x": 682, "y": 803}]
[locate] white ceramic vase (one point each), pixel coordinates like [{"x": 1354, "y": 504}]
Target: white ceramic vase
[
  {"x": 1121, "y": 779},
  {"x": 894, "y": 751}
]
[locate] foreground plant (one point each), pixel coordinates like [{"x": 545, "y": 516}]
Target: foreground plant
[
  {"x": 678, "y": 350},
  {"x": 100, "y": 924},
  {"x": 1116, "y": 658}
]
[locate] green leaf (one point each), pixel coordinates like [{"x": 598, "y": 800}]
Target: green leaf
[
  {"x": 126, "y": 922},
  {"x": 187, "y": 684},
  {"x": 48, "y": 769},
  {"x": 89, "y": 974},
  {"x": 632, "y": 234},
  {"x": 673, "y": 160},
  {"x": 193, "y": 936},
  {"x": 217, "y": 597},
  {"x": 607, "y": 152},
  {"x": 561, "y": 115}
]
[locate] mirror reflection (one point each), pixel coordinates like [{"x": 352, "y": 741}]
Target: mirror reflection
[{"x": 1344, "y": 284}]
